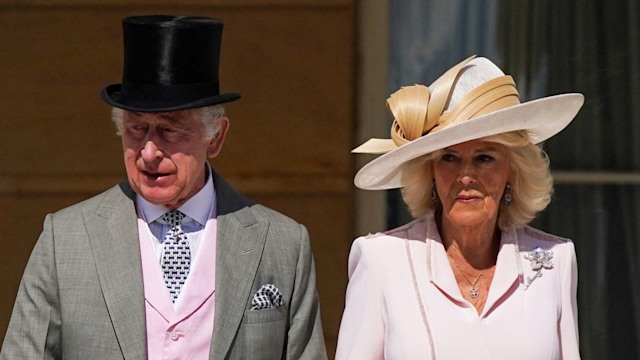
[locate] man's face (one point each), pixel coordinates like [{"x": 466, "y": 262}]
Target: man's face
[{"x": 165, "y": 154}]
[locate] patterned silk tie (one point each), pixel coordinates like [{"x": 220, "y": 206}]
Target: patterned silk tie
[{"x": 176, "y": 257}]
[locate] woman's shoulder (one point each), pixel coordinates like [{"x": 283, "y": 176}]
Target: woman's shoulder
[
  {"x": 531, "y": 233},
  {"x": 387, "y": 251},
  {"x": 409, "y": 231},
  {"x": 530, "y": 239}
]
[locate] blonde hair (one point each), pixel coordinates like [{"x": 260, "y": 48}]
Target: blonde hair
[{"x": 530, "y": 179}]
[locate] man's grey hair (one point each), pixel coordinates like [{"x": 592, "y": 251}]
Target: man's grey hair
[{"x": 209, "y": 116}]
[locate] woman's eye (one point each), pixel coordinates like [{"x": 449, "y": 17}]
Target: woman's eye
[
  {"x": 448, "y": 157},
  {"x": 485, "y": 158}
]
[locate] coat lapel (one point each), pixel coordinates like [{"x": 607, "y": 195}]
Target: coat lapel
[
  {"x": 439, "y": 272},
  {"x": 113, "y": 236},
  {"x": 438, "y": 269},
  {"x": 508, "y": 271},
  {"x": 241, "y": 239}
]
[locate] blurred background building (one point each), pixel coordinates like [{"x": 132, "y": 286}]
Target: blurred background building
[{"x": 314, "y": 76}]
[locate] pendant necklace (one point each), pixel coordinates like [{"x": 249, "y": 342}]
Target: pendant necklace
[{"x": 473, "y": 292}]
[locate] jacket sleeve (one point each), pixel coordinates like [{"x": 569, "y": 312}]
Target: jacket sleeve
[
  {"x": 568, "y": 326},
  {"x": 305, "y": 339},
  {"x": 34, "y": 328},
  {"x": 362, "y": 328}
]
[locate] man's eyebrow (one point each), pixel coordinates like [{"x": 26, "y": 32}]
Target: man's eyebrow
[{"x": 175, "y": 118}]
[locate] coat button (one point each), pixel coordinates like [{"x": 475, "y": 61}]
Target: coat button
[{"x": 174, "y": 335}]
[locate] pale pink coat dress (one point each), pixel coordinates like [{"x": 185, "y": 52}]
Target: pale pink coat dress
[{"x": 403, "y": 301}]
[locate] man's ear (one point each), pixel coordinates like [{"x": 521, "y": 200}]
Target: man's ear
[{"x": 215, "y": 145}]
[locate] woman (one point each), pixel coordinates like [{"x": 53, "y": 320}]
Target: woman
[{"x": 467, "y": 279}]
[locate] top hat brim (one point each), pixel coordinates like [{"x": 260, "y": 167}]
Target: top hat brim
[
  {"x": 113, "y": 95},
  {"x": 541, "y": 118}
]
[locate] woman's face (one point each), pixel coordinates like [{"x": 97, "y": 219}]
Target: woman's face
[{"x": 470, "y": 181}]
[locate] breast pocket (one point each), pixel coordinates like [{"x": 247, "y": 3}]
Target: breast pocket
[{"x": 262, "y": 333}]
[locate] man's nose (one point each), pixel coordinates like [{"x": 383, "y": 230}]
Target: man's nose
[{"x": 150, "y": 151}]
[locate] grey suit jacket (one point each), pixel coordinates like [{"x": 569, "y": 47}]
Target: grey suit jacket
[{"x": 81, "y": 295}]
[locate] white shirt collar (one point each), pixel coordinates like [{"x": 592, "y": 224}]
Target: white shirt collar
[{"x": 198, "y": 207}]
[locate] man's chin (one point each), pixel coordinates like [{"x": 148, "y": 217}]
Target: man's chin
[{"x": 157, "y": 196}]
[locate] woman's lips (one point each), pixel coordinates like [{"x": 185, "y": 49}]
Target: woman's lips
[
  {"x": 468, "y": 197},
  {"x": 467, "y": 200}
]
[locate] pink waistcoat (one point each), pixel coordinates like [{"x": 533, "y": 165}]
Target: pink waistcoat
[{"x": 183, "y": 331}]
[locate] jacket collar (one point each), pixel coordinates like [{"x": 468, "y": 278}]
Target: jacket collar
[{"x": 438, "y": 271}]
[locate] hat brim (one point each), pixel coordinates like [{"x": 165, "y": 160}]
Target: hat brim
[
  {"x": 111, "y": 94},
  {"x": 542, "y": 118}
]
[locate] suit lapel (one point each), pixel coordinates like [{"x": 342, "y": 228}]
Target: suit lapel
[
  {"x": 241, "y": 239},
  {"x": 113, "y": 235}
]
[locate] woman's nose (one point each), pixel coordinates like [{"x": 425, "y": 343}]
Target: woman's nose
[
  {"x": 466, "y": 179},
  {"x": 467, "y": 174}
]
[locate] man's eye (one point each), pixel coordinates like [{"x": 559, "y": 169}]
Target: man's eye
[{"x": 136, "y": 127}]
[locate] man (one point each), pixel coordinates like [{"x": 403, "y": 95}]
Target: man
[{"x": 171, "y": 263}]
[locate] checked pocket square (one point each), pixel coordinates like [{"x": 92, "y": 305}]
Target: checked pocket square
[{"x": 267, "y": 297}]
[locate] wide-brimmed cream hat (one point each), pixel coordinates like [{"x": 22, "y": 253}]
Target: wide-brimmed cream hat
[{"x": 472, "y": 100}]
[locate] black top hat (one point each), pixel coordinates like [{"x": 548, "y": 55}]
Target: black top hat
[{"x": 170, "y": 63}]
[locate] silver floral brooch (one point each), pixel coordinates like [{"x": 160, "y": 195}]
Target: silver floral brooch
[{"x": 540, "y": 259}]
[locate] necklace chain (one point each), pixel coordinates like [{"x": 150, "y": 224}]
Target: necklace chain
[{"x": 473, "y": 292}]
